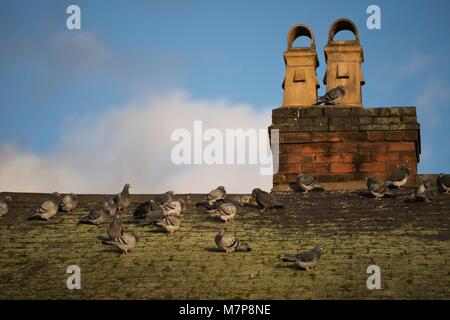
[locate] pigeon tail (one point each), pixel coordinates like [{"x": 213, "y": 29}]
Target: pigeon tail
[{"x": 289, "y": 258}]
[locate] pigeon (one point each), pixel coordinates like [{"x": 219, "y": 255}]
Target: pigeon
[
  {"x": 169, "y": 223},
  {"x": 4, "y": 205},
  {"x": 172, "y": 208},
  {"x": 164, "y": 198},
  {"x": 123, "y": 199},
  {"x": 246, "y": 200},
  {"x": 68, "y": 202},
  {"x": 425, "y": 191},
  {"x": 149, "y": 213},
  {"x": 377, "y": 189},
  {"x": 399, "y": 177},
  {"x": 228, "y": 243},
  {"x": 306, "y": 260},
  {"x": 115, "y": 228},
  {"x": 48, "y": 208},
  {"x": 226, "y": 212},
  {"x": 110, "y": 206},
  {"x": 264, "y": 200},
  {"x": 126, "y": 242},
  {"x": 97, "y": 217},
  {"x": 308, "y": 183},
  {"x": 215, "y": 195},
  {"x": 443, "y": 183},
  {"x": 332, "y": 97}
]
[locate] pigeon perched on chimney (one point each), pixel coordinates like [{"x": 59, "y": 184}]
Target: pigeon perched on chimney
[
  {"x": 123, "y": 199},
  {"x": 215, "y": 195},
  {"x": 163, "y": 199},
  {"x": 306, "y": 260},
  {"x": 332, "y": 97},
  {"x": 115, "y": 228},
  {"x": 307, "y": 183},
  {"x": 228, "y": 243},
  {"x": 377, "y": 189},
  {"x": 246, "y": 200},
  {"x": 68, "y": 202},
  {"x": 126, "y": 242},
  {"x": 225, "y": 212},
  {"x": 264, "y": 200},
  {"x": 399, "y": 177},
  {"x": 4, "y": 205},
  {"x": 443, "y": 183},
  {"x": 149, "y": 212},
  {"x": 48, "y": 208},
  {"x": 169, "y": 223}
]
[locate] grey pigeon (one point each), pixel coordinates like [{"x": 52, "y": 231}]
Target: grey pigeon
[
  {"x": 377, "y": 189},
  {"x": 68, "y": 202},
  {"x": 150, "y": 213},
  {"x": 217, "y": 194},
  {"x": 164, "y": 198},
  {"x": 306, "y": 260},
  {"x": 4, "y": 205},
  {"x": 98, "y": 217},
  {"x": 264, "y": 200},
  {"x": 169, "y": 223},
  {"x": 228, "y": 243},
  {"x": 48, "y": 208},
  {"x": 172, "y": 208},
  {"x": 115, "y": 228},
  {"x": 126, "y": 242},
  {"x": 399, "y": 177},
  {"x": 110, "y": 206},
  {"x": 425, "y": 191},
  {"x": 332, "y": 97},
  {"x": 443, "y": 183},
  {"x": 307, "y": 183},
  {"x": 246, "y": 200},
  {"x": 123, "y": 199},
  {"x": 226, "y": 212}
]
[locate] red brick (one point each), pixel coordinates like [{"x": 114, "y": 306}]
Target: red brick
[
  {"x": 411, "y": 135},
  {"x": 315, "y": 169},
  {"x": 325, "y": 137},
  {"x": 342, "y": 168},
  {"x": 371, "y": 167},
  {"x": 374, "y": 147},
  {"x": 387, "y": 156},
  {"x": 375, "y": 135},
  {"x": 394, "y": 135},
  {"x": 402, "y": 146},
  {"x": 328, "y": 158},
  {"x": 343, "y": 147},
  {"x": 409, "y": 156},
  {"x": 289, "y": 168},
  {"x": 314, "y": 148},
  {"x": 295, "y": 137},
  {"x": 290, "y": 148}
]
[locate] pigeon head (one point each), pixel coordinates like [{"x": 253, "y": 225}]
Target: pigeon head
[
  {"x": 255, "y": 192},
  {"x": 369, "y": 180},
  {"x": 405, "y": 170},
  {"x": 127, "y": 186},
  {"x": 171, "y": 193},
  {"x": 7, "y": 199},
  {"x": 341, "y": 90},
  {"x": 136, "y": 234},
  {"x": 318, "y": 249},
  {"x": 73, "y": 195},
  {"x": 221, "y": 188},
  {"x": 221, "y": 232},
  {"x": 56, "y": 194}
]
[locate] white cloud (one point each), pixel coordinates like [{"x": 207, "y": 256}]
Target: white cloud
[{"x": 132, "y": 144}]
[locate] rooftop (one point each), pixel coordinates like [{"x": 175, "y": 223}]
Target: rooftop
[{"x": 408, "y": 241}]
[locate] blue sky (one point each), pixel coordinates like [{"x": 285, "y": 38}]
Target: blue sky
[{"x": 229, "y": 50}]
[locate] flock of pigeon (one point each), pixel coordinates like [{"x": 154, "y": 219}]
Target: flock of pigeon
[{"x": 165, "y": 212}]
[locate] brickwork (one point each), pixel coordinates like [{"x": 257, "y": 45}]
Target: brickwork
[{"x": 344, "y": 144}]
